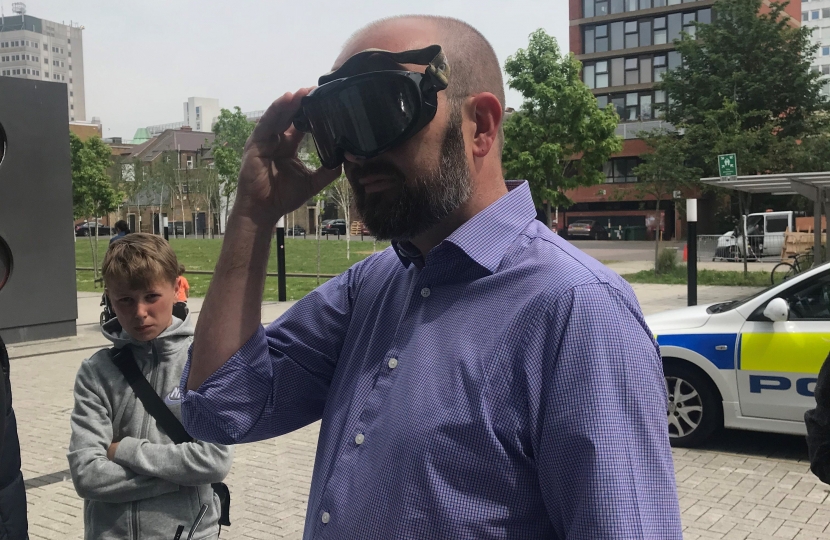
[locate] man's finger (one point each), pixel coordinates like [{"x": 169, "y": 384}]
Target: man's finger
[{"x": 278, "y": 117}]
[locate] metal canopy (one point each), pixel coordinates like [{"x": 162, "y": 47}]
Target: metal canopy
[
  {"x": 815, "y": 186},
  {"x": 777, "y": 184}
]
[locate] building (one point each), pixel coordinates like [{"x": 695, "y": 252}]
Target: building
[
  {"x": 85, "y": 130},
  {"x": 37, "y": 49},
  {"x": 625, "y": 47},
  {"x": 200, "y": 114},
  {"x": 816, "y": 15},
  {"x": 187, "y": 212}
]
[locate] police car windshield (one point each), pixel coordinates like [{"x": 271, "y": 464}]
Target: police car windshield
[{"x": 732, "y": 304}]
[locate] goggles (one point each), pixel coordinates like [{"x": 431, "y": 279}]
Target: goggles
[{"x": 369, "y": 113}]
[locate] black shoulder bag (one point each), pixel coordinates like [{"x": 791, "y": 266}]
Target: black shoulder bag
[{"x": 154, "y": 405}]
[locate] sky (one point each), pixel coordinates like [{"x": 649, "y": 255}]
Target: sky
[{"x": 144, "y": 58}]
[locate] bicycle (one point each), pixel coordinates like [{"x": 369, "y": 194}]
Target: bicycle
[{"x": 784, "y": 270}]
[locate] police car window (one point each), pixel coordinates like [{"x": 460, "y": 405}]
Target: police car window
[{"x": 811, "y": 301}]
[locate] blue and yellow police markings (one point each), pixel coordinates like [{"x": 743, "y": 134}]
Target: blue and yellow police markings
[{"x": 716, "y": 348}]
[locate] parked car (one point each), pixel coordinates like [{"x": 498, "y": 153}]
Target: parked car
[
  {"x": 745, "y": 364},
  {"x": 297, "y": 230},
  {"x": 333, "y": 226},
  {"x": 587, "y": 228},
  {"x": 727, "y": 248},
  {"x": 85, "y": 228}
]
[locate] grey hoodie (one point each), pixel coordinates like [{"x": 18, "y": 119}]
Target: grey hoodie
[{"x": 152, "y": 485}]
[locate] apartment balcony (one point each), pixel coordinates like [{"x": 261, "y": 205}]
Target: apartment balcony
[{"x": 629, "y": 130}]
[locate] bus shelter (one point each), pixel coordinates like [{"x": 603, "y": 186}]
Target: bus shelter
[{"x": 815, "y": 186}]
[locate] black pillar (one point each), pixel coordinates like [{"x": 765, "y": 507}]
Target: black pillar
[
  {"x": 691, "y": 243},
  {"x": 281, "y": 260}
]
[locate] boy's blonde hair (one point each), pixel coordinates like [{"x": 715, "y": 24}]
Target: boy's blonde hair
[{"x": 140, "y": 260}]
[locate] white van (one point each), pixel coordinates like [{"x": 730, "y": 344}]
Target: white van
[{"x": 765, "y": 236}]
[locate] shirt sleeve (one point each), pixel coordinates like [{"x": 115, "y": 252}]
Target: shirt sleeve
[
  {"x": 278, "y": 381},
  {"x": 188, "y": 464},
  {"x": 598, "y": 419}
]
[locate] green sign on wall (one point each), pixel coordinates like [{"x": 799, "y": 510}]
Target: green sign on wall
[{"x": 728, "y": 165}]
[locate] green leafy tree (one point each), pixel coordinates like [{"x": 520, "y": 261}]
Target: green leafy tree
[
  {"x": 93, "y": 194},
  {"x": 745, "y": 86},
  {"x": 663, "y": 171},
  {"x": 232, "y": 129},
  {"x": 560, "y": 138}
]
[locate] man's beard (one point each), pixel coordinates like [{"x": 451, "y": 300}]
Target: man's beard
[{"x": 423, "y": 203}]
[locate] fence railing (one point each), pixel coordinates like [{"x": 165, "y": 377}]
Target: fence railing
[
  {"x": 731, "y": 248},
  {"x": 269, "y": 274}
]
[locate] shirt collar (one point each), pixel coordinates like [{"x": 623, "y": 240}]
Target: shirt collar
[{"x": 485, "y": 237}]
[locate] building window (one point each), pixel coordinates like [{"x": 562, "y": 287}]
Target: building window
[
  {"x": 660, "y": 35},
  {"x": 659, "y": 67},
  {"x": 825, "y": 51},
  {"x": 825, "y": 70},
  {"x": 602, "y": 74},
  {"x": 72, "y": 107},
  {"x": 620, "y": 170},
  {"x": 632, "y": 71},
  {"x": 71, "y": 94},
  {"x": 46, "y": 74},
  {"x": 45, "y": 60},
  {"x": 189, "y": 162},
  {"x": 825, "y": 13},
  {"x": 814, "y": 15},
  {"x": 602, "y": 38},
  {"x": 632, "y": 35}
]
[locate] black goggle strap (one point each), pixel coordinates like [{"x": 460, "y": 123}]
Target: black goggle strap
[{"x": 432, "y": 57}]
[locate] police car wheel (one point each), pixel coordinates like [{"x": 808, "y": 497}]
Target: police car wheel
[{"x": 694, "y": 411}]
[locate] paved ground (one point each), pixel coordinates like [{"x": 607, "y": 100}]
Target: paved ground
[{"x": 740, "y": 486}]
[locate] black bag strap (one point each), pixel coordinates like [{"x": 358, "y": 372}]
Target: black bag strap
[{"x": 153, "y": 404}]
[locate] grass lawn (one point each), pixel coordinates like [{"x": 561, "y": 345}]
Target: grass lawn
[
  {"x": 704, "y": 277},
  {"x": 198, "y": 254}
]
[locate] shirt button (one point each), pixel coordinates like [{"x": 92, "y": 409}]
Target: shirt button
[
  {"x": 325, "y": 517},
  {"x": 393, "y": 363},
  {"x": 425, "y": 292},
  {"x": 358, "y": 440}
]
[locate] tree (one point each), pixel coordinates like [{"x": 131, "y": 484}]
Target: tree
[
  {"x": 745, "y": 79},
  {"x": 663, "y": 171},
  {"x": 93, "y": 194},
  {"x": 340, "y": 192},
  {"x": 232, "y": 130},
  {"x": 560, "y": 138},
  {"x": 205, "y": 187}
]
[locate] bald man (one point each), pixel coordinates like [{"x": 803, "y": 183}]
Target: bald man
[{"x": 479, "y": 379}]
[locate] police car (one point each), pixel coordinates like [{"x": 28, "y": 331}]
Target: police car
[{"x": 745, "y": 364}]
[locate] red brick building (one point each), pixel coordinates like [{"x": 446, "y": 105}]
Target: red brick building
[{"x": 625, "y": 46}]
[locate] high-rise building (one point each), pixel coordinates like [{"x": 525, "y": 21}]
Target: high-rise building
[
  {"x": 200, "y": 113},
  {"x": 816, "y": 15},
  {"x": 625, "y": 47},
  {"x": 33, "y": 48}
]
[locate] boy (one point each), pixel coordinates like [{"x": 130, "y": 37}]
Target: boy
[
  {"x": 135, "y": 482},
  {"x": 184, "y": 286}
]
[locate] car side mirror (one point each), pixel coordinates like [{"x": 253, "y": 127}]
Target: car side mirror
[{"x": 778, "y": 310}]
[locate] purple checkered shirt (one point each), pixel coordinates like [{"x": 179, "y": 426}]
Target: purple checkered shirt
[{"x": 506, "y": 387}]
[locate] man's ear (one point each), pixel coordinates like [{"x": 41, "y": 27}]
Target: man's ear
[{"x": 487, "y": 113}]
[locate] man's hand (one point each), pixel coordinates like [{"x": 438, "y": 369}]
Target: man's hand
[
  {"x": 273, "y": 181},
  {"x": 111, "y": 451}
]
